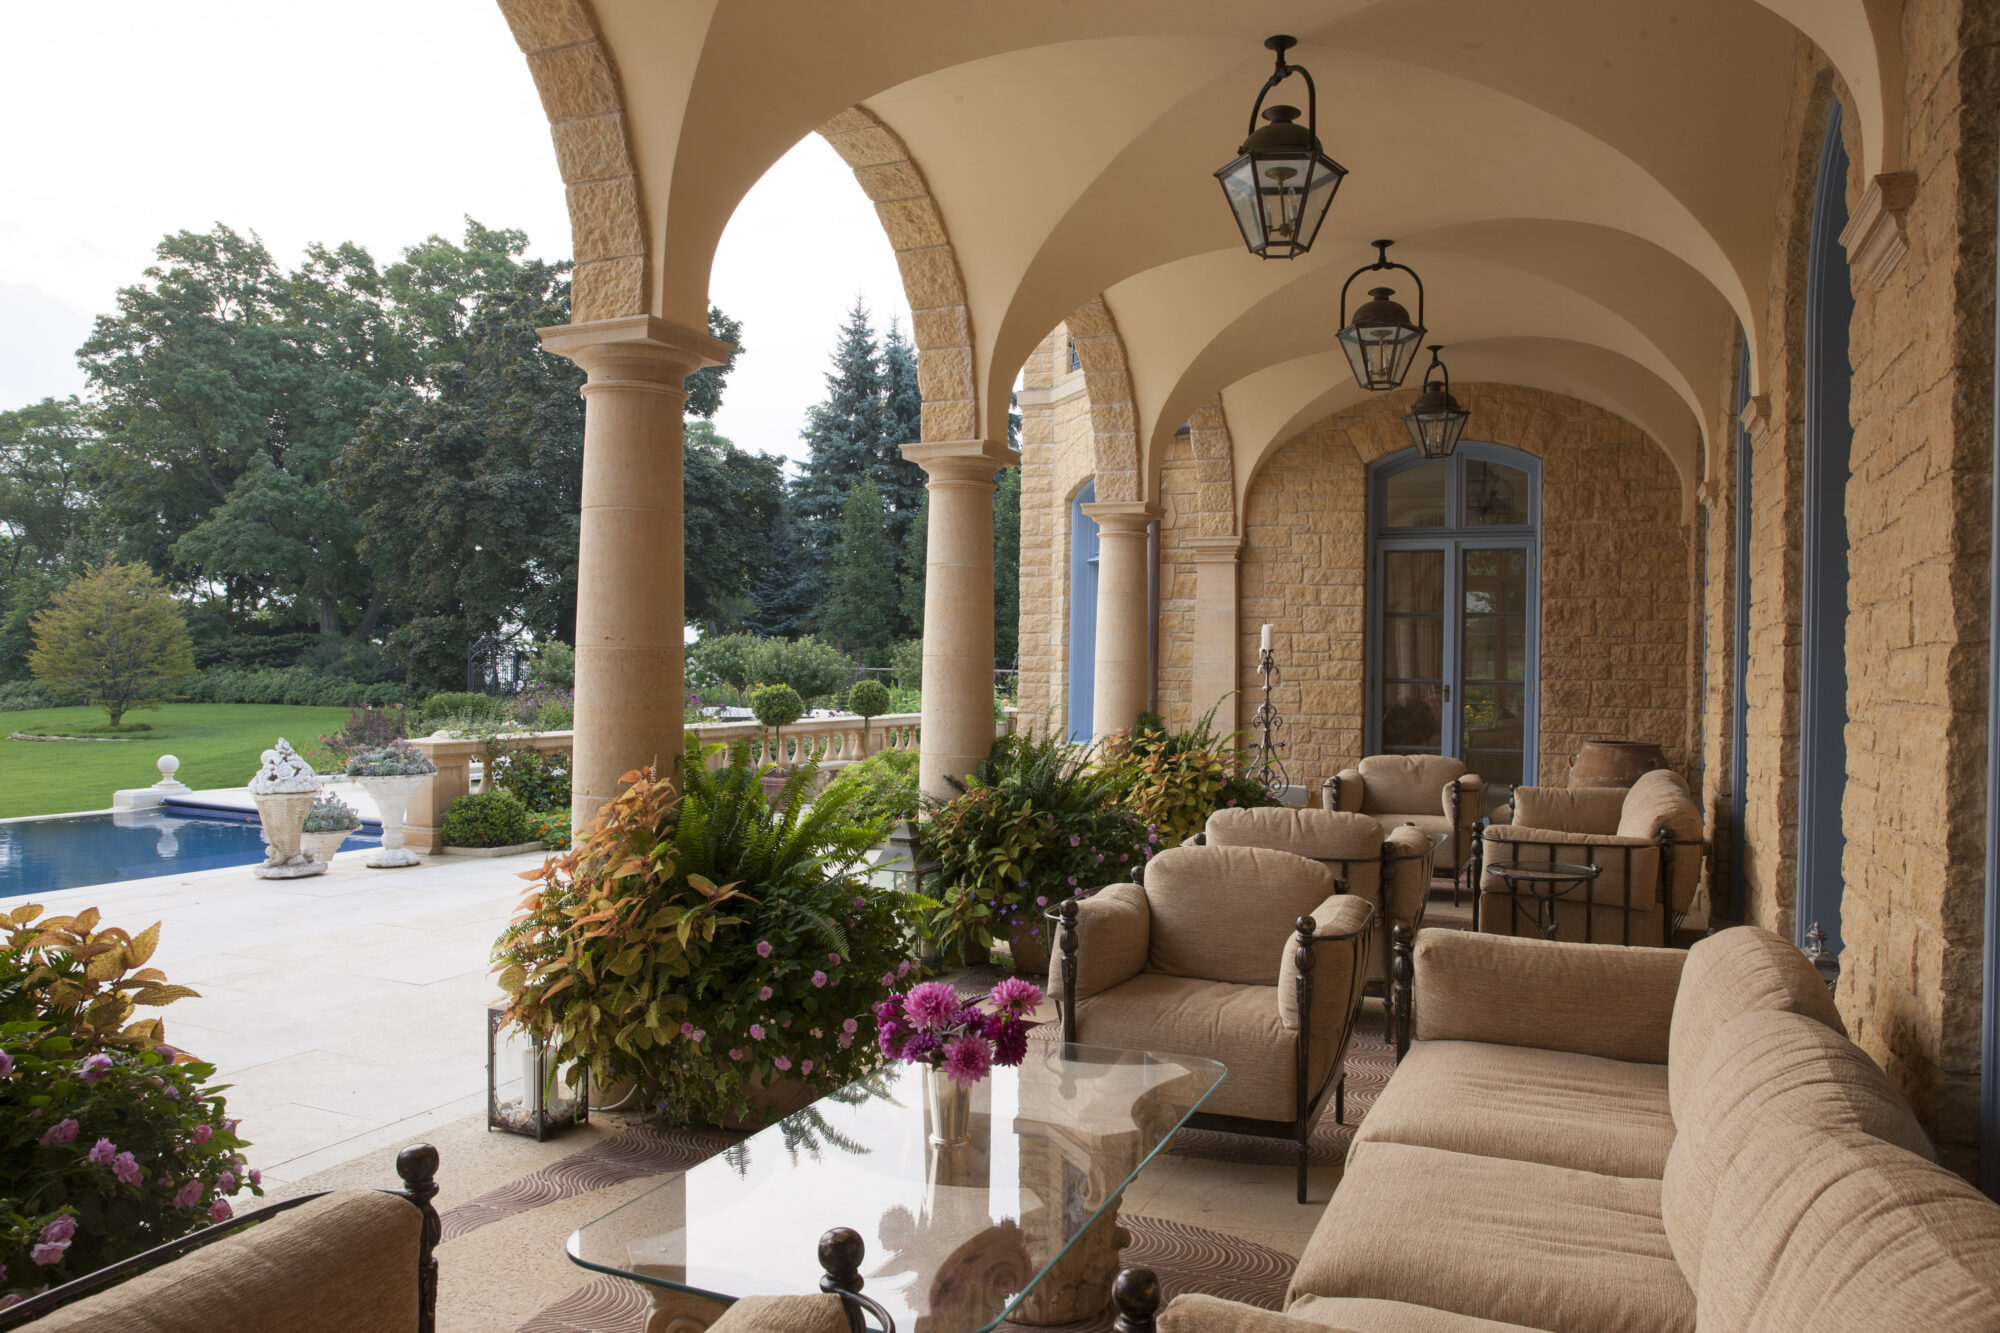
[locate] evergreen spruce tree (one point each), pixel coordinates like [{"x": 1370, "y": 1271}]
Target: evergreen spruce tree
[
  {"x": 860, "y": 615},
  {"x": 901, "y": 481},
  {"x": 1007, "y": 567},
  {"x": 786, "y": 592},
  {"x": 915, "y": 563}
]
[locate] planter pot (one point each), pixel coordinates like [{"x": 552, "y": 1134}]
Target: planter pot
[
  {"x": 772, "y": 1102},
  {"x": 947, "y": 1109},
  {"x": 321, "y": 846},
  {"x": 515, "y": 849},
  {"x": 284, "y": 815},
  {"x": 1028, "y": 941},
  {"x": 1614, "y": 763},
  {"x": 392, "y": 800},
  {"x": 774, "y": 786}
]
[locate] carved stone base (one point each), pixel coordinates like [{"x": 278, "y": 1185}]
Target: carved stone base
[
  {"x": 1079, "y": 1284},
  {"x": 679, "y": 1311},
  {"x": 393, "y": 858},
  {"x": 295, "y": 869}
]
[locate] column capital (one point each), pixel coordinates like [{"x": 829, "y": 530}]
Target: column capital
[
  {"x": 1122, "y": 515},
  {"x": 635, "y": 347},
  {"x": 961, "y": 460},
  {"x": 1216, "y": 550}
]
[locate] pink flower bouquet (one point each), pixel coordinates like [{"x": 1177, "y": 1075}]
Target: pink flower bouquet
[{"x": 934, "y": 1025}]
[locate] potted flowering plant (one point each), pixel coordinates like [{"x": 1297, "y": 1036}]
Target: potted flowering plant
[
  {"x": 327, "y": 825},
  {"x": 391, "y": 774},
  {"x": 957, "y": 1042}
]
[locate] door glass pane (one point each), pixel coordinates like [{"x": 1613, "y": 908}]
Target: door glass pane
[
  {"x": 1496, "y": 582},
  {"x": 1414, "y": 497},
  {"x": 1493, "y": 669},
  {"x": 1412, "y": 651},
  {"x": 1495, "y": 495}
]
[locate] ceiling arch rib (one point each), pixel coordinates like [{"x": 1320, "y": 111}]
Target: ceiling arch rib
[{"x": 1864, "y": 40}]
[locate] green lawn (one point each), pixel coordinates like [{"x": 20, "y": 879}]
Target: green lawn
[{"x": 218, "y": 746}]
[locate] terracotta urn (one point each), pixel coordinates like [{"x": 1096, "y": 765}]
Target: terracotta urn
[{"x": 1614, "y": 763}]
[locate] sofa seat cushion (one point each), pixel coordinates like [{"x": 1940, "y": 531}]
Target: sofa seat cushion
[
  {"x": 1528, "y": 1105},
  {"x": 1364, "y": 1315},
  {"x": 1217, "y": 1020},
  {"x": 1835, "y": 1231},
  {"x": 1516, "y": 1242},
  {"x": 1729, "y": 973}
]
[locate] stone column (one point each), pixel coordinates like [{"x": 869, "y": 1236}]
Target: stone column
[
  {"x": 629, "y": 622},
  {"x": 1215, "y": 630},
  {"x": 958, "y": 608},
  {"x": 1124, "y": 684}
]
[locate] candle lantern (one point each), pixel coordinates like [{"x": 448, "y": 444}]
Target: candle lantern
[
  {"x": 903, "y": 861},
  {"x": 545, "y": 1106}
]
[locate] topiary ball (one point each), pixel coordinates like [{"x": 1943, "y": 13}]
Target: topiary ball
[
  {"x": 777, "y": 705},
  {"x": 868, "y": 698}
]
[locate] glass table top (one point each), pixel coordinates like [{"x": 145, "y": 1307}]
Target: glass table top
[{"x": 955, "y": 1237}]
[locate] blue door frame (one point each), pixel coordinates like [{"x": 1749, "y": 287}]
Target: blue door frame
[
  {"x": 1082, "y": 614},
  {"x": 1739, "y": 712}
]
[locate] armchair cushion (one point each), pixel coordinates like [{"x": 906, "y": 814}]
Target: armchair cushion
[
  {"x": 1343, "y": 927},
  {"x": 1217, "y": 1020},
  {"x": 1570, "y": 809},
  {"x": 1731, "y": 973},
  {"x": 1405, "y": 783},
  {"x": 1224, "y": 913},
  {"x": 1318, "y": 835},
  {"x": 1366, "y": 1315},
  {"x": 1113, "y": 927},
  {"x": 825, "y": 1313},
  {"x": 1593, "y": 999}
]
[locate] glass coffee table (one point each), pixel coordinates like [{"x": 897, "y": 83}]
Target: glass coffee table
[{"x": 1019, "y": 1223}]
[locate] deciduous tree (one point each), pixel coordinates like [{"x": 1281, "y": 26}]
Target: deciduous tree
[{"x": 115, "y": 635}]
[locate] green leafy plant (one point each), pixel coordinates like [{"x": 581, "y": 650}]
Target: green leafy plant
[
  {"x": 461, "y": 705},
  {"x": 885, "y": 786},
  {"x": 777, "y": 707},
  {"x": 330, "y": 814},
  {"x": 1176, "y": 780},
  {"x": 489, "y": 819},
  {"x": 397, "y": 759},
  {"x": 709, "y": 946},
  {"x": 114, "y": 635},
  {"x": 551, "y": 827},
  {"x": 553, "y": 665},
  {"x": 111, "y": 1141},
  {"x": 539, "y": 779}
]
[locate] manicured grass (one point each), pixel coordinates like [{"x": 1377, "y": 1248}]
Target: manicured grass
[{"x": 218, "y": 746}]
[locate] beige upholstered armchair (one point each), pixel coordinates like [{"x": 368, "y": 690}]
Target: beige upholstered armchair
[
  {"x": 1389, "y": 867},
  {"x": 1432, "y": 791},
  {"x": 1647, "y": 838},
  {"x": 1239, "y": 954}
]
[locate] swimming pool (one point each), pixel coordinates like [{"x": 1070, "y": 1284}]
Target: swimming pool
[{"x": 70, "y": 851}]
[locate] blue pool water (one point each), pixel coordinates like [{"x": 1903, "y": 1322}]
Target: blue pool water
[{"x": 70, "y": 851}]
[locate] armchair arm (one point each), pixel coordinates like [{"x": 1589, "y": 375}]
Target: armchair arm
[
  {"x": 1592, "y": 999},
  {"x": 1135, "y": 1294},
  {"x": 1344, "y": 791},
  {"x": 1343, "y": 918},
  {"x": 1463, "y": 797},
  {"x": 1102, "y": 943}
]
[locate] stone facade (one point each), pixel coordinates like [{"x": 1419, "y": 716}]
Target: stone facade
[{"x": 1058, "y": 455}]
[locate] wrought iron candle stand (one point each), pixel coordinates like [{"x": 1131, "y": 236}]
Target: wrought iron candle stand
[{"x": 1267, "y": 768}]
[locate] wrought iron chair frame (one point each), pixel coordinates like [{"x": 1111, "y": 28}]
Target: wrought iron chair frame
[{"x": 1664, "y": 843}]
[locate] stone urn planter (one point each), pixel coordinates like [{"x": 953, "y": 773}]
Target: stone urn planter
[
  {"x": 283, "y": 790},
  {"x": 392, "y": 797},
  {"x": 321, "y": 846}
]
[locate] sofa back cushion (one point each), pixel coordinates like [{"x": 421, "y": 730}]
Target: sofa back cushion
[
  {"x": 1224, "y": 913},
  {"x": 1396, "y": 784},
  {"x": 1730, "y": 973},
  {"x": 1766, "y": 1067},
  {"x": 1569, "y": 809},
  {"x": 1818, "y": 1231},
  {"x": 1350, "y": 844}
]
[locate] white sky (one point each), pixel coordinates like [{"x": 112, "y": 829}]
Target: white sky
[{"x": 377, "y": 121}]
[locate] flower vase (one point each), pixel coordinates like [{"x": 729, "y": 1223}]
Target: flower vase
[
  {"x": 321, "y": 846},
  {"x": 283, "y": 815},
  {"x": 948, "y": 1108},
  {"x": 391, "y": 796}
]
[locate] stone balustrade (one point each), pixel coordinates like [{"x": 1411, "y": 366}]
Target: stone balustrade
[{"x": 836, "y": 741}]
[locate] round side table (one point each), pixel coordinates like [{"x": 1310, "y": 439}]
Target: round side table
[{"x": 1542, "y": 884}]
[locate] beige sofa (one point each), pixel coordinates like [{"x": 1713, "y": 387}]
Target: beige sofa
[
  {"x": 1599, "y": 1139},
  {"x": 1647, "y": 838},
  {"x": 1432, "y": 791}
]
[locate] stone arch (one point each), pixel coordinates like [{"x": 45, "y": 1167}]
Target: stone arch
[
  {"x": 585, "y": 104},
  {"x": 1215, "y": 470},
  {"x": 940, "y": 322},
  {"x": 1114, "y": 418}
]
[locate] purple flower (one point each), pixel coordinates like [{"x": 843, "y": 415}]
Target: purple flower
[
  {"x": 202, "y": 1134},
  {"x": 861, "y": 902},
  {"x": 1075, "y": 840},
  {"x": 763, "y": 948},
  {"x": 782, "y": 1064},
  {"x": 806, "y": 1068},
  {"x": 849, "y": 1026},
  {"x": 1015, "y": 995},
  {"x": 888, "y": 978},
  {"x": 59, "y": 1231},
  {"x": 1010, "y": 1044},
  {"x": 50, "y": 1254},
  {"x": 229, "y": 1126},
  {"x": 6, "y": 1065},
  {"x": 256, "y": 1176},
  {"x": 1100, "y": 858},
  {"x": 226, "y": 1183},
  {"x": 846, "y": 1040},
  {"x": 756, "y": 1032},
  {"x": 1042, "y": 899},
  {"x": 219, "y": 1210},
  {"x": 102, "y": 1152},
  {"x": 968, "y": 1058},
  {"x": 126, "y": 1167},
  {"x": 172, "y": 1094},
  {"x": 1124, "y": 856},
  {"x": 819, "y": 979},
  {"x": 921, "y": 1045},
  {"x": 933, "y": 1005},
  {"x": 736, "y": 1052},
  {"x": 833, "y": 960},
  {"x": 188, "y": 1195},
  {"x": 764, "y": 992},
  {"x": 687, "y": 1029},
  {"x": 96, "y": 1067},
  {"x": 903, "y": 968},
  {"x": 697, "y": 1036},
  {"x": 62, "y": 1131}
]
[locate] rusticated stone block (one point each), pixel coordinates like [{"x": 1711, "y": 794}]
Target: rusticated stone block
[
  {"x": 575, "y": 81},
  {"x": 870, "y": 146},
  {"x": 604, "y": 219},
  {"x": 945, "y": 372},
  {"x": 608, "y": 289},
  {"x": 592, "y": 148},
  {"x": 538, "y": 25},
  {"x": 930, "y": 277},
  {"x": 891, "y": 180},
  {"x": 911, "y": 224}
]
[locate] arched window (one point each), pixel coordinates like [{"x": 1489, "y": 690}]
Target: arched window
[
  {"x": 1823, "y": 618},
  {"x": 1454, "y": 609},
  {"x": 1082, "y": 613}
]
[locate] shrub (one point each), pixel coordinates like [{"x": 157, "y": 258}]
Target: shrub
[
  {"x": 698, "y": 947},
  {"x": 115, "y": 1141},
  {"x": 868, "y": 698},
  {"x": 552, "y": 827},
  {"x": 18, "y": 696},
  {"x": 490, "y": 819},
  {"x": 287, "y": 685},
  {"x": 1174, "y": 782},
  {"x": 907, "y": 664},
  {"x": 330, "y": 814},
  {"x": 884, "y": 786},
  {"x": 539, "y": 781},
  {"x": 738, "y": 661},
  {"x": 397, "y": 759},
  {"x": 553, "y": 666},
  {"x": 115, "y": 635},
  {"x": 777, "y": 707},
  {"x": 545, "y": 708},
  {"x": 462, "y": 704}
]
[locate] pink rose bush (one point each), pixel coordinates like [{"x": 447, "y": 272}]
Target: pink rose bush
[{"x": 934, "y": 1025}]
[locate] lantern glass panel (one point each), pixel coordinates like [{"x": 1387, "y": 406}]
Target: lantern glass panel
[
  {"x": 1326, "y": 178},
  {"x": 1380, "y": 354},
  {"x": 525, "y": 1093},
  {"x": 1239, "y": 185},
  {"x": 1435, "y": 429}
]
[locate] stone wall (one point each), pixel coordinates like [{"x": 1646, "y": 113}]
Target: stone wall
[{"x": 1058, "y": 455}]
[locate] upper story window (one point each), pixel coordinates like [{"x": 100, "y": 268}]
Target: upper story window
[
  {"x": 1075, "y": 361},
  {"x": 1467, "y": 490}
]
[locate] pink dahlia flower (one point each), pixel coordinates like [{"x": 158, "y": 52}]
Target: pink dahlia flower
[
  {"x": 968, "y": 1058},
  {"x": 126, "y": 1167},
  {"x": 219, "y": 1210},
  {"x": 189, "y": 1194},
  {"x": 1016, "y": 995},
  {"x": 819, "y": 980},
  {"x": 203, "y": 1133},
  {"x": 59, "y": 1231},
  {"x": 49, "y": 1254},
  {"x": 62, "y": 1131},
  {"x": 102, "y": 1152},
  {"x": 933, "y": 1005}
]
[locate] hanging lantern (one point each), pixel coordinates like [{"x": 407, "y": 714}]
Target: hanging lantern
[
  {"x": 1281, "y": 184},
  {"x": 1381, "y": 340},
  {"x": 1436, "y": 420}
]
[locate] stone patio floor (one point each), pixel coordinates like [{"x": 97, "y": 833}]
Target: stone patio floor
[{"x": 347, "y": 1011}]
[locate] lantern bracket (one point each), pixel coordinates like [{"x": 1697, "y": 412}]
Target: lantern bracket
[
  {"x": 1437, "y": 364},
  {"x": 1382, "y": 263},
  {"x": 1283, "y": 71}
]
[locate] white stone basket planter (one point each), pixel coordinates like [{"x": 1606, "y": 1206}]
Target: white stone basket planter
[{"x": 392, "y": 796}]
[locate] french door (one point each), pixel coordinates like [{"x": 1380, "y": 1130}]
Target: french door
[{"x": 1453, "y": 635}]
